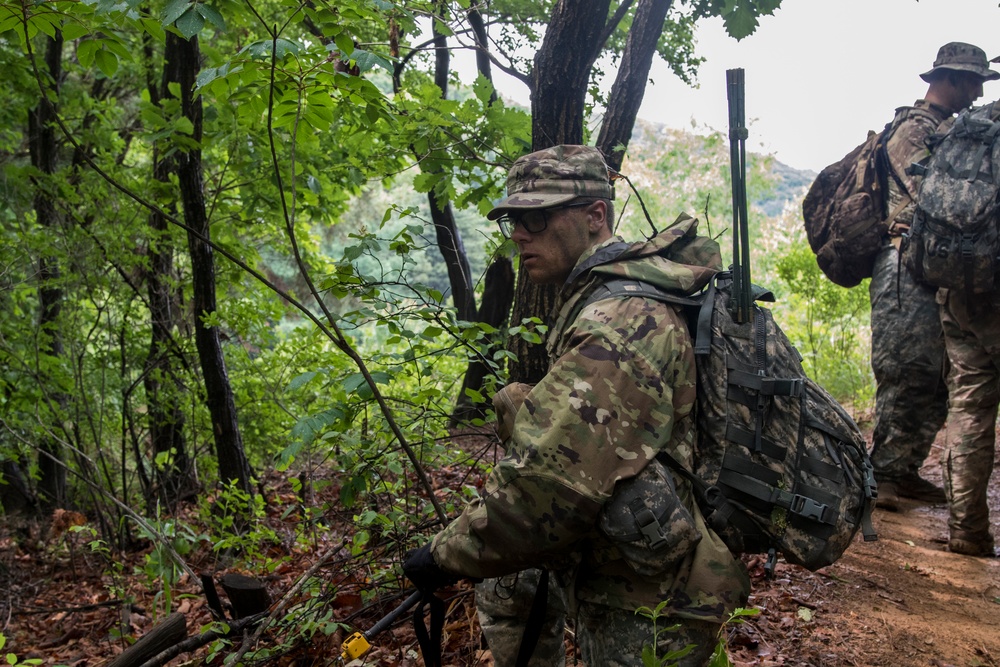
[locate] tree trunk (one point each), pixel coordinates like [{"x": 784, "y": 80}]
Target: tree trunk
[
  {"x": 449, "y": 243},
  {"x": 483, "y": 65},
  {"x": 562, "y": 69},
  {"x": 498, "y": 294},
  {"x": 44, "y": 157},
  {"x": 182, "y": 59},
  {"x": 630, "y": 83},
  {"x": 164, "y": 391},
  {"x": 558, "y": 96},
  {"x": 449, "y": 239}
]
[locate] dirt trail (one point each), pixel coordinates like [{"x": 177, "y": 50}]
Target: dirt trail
[{"x": 902, "y": 600}]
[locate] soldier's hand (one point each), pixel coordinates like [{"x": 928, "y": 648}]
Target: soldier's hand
[{"x": 420, "y": 568}]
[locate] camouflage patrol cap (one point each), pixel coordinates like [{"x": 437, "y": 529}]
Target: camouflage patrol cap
[
  {"x": 964, "y": 58},
  {"x": 554, "y": 176}
]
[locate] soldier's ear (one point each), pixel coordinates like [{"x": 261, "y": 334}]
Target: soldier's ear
[{"x": 597, "y": 214}]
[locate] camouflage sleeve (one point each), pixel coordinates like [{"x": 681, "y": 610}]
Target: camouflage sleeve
[
  {"x": 623, "y": 372},
  {"x": 907, "y": 145}
]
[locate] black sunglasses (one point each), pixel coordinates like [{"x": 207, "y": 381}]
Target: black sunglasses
[{"x": 534, "y": 221}]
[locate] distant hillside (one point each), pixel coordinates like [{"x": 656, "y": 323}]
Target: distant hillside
[{"x": 789, "y": 183}]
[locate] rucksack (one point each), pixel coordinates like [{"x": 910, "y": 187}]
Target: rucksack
[
  {"x": 844, "y": 210},
  {"x": 954, "y": 240},
  {"x": 780, "y": 467}
]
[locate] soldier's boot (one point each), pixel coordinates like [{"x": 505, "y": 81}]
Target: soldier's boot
[
  {"x": 979, "y": 545},
  {"x": 888, "y": 497},
  {"x": 917, "y": 488}
]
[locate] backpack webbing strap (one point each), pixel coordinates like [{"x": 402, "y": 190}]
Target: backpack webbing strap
[
  {"x": 429, "y": 641},
  {"x": 758, "y": 482},
  {"x": 533, "y": 624},
  {"x": 768, "y": 447},
  {"x": 719, "y": 511},
  {"x": 703, "y": 330},
  {"x": 977, "y": 162},
  {"x": 764, "y": 385},
  {"x": 821, "y": 469},
  {"x": 620, "y": 287}
]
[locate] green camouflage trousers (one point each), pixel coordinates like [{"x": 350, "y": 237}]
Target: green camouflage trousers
[
  {"x": 972, "y": 336},
  {"x": 908, "y": 359},
  {"x": 607, "y": 637},
  {"x": 503, "y": 605}
]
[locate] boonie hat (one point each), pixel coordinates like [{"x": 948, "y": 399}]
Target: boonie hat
[
  {"x": 554, "y": 176},
  {"x": 964, "y": 58}
]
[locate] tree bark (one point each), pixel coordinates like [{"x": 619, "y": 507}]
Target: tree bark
[
  {"x": 44, "y": 157},
  {"x": 449, "y": 243},
  {"x": 630, "y": 83},
  {"x": 449, "y": 239},
  {"x": 166, "y": 419},
  {"x": 182, "y": 62},
  {"x": 498, "y": 295},
  {"x": 558, "y": 97},
  {"x": 168, "y": 633}
]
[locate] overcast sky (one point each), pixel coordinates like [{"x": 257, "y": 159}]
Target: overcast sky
[{"x": 819, "y": 73}]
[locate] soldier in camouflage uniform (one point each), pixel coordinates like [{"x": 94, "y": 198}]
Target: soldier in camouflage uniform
[
  {"x": 620, "y": 388},
  {"x": 908, "y": 356},
  {"x": 972, "y": 339},
  {"x": 972, "y": 336}
]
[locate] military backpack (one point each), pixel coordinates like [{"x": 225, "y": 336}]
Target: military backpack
[
  {"x": 780, "y": 467},
  {"x": 954, "y": 241},
  {"x": 845, "y": 212}
]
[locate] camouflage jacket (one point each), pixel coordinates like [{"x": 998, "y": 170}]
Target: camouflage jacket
[
  {"x": 907, "y": 144},
  {"x": 620, "y": 388}
]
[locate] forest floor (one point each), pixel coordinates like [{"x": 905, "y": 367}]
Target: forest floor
[{"x": 902, "y": 600}]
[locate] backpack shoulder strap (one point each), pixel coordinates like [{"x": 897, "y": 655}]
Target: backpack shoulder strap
[{"x": 626, "y": 287}]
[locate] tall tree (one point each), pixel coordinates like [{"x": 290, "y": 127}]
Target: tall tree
[
  {"x": 182, "y": 62},
  {"x": 164, "y": 391},
  {"x": 44, "y": 149}
]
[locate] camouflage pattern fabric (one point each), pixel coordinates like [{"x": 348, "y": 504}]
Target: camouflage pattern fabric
[
  {"x": 962, "y": 57},
  {"x": 972, "y": 338},
  {"x": 908, "y": 359},
  {"x": 954, "y": 241},
  {"x": 503, "y": 605},
  {"x": 554, "y": 176},
  {"x": 620, "y": 388},
  {"x": 615, "y": 638},
  {"x": 911, "y": 127},
  {"x": 907, "y": 346}
]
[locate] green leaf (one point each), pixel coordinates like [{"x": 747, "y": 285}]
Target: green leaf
[
  {"x": 174, "y": 10},
  {"x": 212, "y": 15},
  {"x": 85, "y": 51},
  {"x": 190, "y": 23},
  {"x": 366, "y": 60},
  {"x": 73, "y": 31},
  {"x": 482, "y": 88},
  {"x": 210, "y": 74},
  {"x": 356, "y": 383},
  {"x": 345, "y": 44},
  {"x": 741, "y": 22},
  {"x": 106, "y": 61},
  {"x": 301, "y": 380},
  {"x": 425, "y": 182}
]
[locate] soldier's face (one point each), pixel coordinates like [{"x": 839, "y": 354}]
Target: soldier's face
[
  {"x": 968, "y": 89},
  {"x": 549, "y": 256}
]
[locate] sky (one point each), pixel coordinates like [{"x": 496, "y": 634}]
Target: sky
[{"x": 819, "y": 73}]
